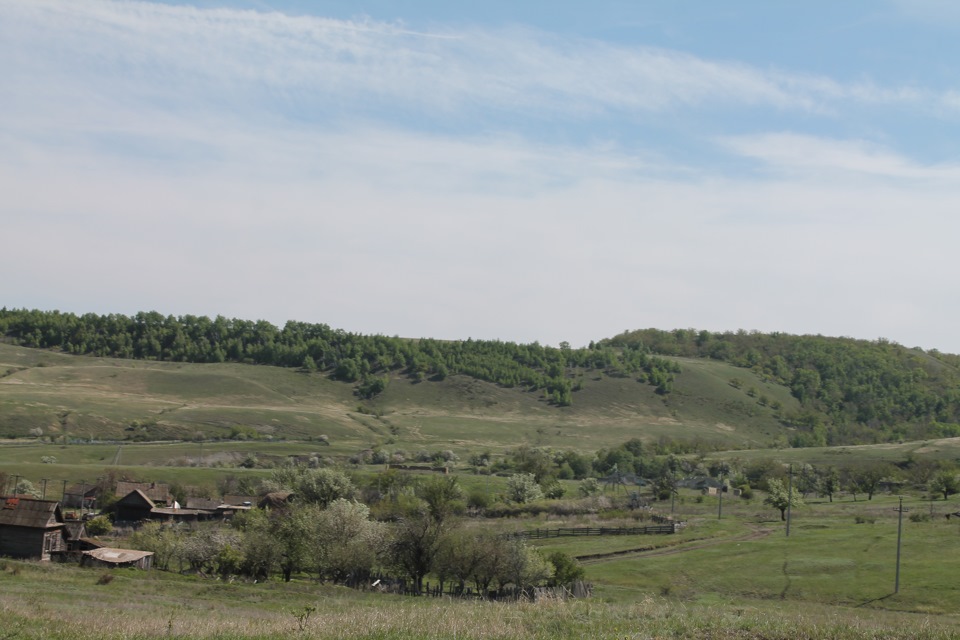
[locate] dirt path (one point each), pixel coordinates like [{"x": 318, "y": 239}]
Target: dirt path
[{"x": 650, "y": 552}]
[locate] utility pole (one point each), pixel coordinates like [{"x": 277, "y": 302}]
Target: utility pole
[
  {"x": 896, "y": 584},
  {"x": 43, "y": 493},
  {"x": 674, "y": 490},
  {"x": 789, "y": 498},
  {"x": 720, "y": 499}
]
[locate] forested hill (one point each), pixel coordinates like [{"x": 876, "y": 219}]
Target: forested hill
[
  {"x": 851, "y": 390},
  {"x": 363, "y": 360}
]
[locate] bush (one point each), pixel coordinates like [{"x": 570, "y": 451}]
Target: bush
[
  {"x": 99, "y": 526},
  {"x": 478, "y": 499},
  {"x": 523, "y": 488},
  {"x": 589, "y": 487},
  {"x": 554, "y": 491}
]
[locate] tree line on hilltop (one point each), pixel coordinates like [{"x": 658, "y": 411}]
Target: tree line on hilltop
[
  {"x": 364, "y": 360},
  {"x": 851, "y": 391}
]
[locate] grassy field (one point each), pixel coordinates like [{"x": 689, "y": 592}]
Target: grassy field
[
  {"x": 133, "y": 605},
  {"x": 84, "y": 397},
  {"x": 737, "y": 576}
]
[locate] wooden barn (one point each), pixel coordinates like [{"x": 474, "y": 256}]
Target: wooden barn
[
  {"x": 31, "y": 528},
  {"x": 80, "y": 496},
  {"x": 158, "y": 492},
  {"x": 134, "y": 507}
]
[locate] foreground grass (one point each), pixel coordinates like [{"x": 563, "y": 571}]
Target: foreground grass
[{"x": 38, "y": 601}]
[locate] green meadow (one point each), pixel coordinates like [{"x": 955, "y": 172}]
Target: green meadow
[
  {"x": 737, "y": 576},
  {"x": 731, "y": 572}
]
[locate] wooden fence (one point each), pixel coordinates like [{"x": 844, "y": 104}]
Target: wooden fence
[{"x": 540, "y": 534}]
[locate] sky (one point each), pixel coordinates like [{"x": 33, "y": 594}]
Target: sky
[{"x": 559, "y": 171}]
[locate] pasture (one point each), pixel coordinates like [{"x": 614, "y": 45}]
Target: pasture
[{"x": 738, "y": 576}]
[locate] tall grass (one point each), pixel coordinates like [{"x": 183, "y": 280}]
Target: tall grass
[{"x": 66, "y": 603}]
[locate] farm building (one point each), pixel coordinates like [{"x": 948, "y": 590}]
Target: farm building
[
  {"x": 157, "y": 492},
  {"x": 277, "y": 500},
  {"x": 134, "y": 507},
  {"x": 80, "y": 496},
  {"x": 241, "y": 501},
  {"x": 31, "y": 528},
  {"x": 210, "y": 508},
  {"x": 108, "y": 557}
]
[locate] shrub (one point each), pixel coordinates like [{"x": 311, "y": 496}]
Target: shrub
[
  {"x": 554, "y": 491},
  {"x": 478, "y": 499},
  {"x": 523, "y": 488},
  {"x": 99, "y": 526},
  {"x": 589, "y": 487}
]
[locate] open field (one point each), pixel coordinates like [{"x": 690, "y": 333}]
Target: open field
[
  {"x": 735, "y": 577},
  {"x": 941, "y": 449},
  {"x": 84, "y": 397}
]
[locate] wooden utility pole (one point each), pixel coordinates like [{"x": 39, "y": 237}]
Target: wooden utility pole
[
  {"x": 896, "y": 584},
  {"x": 789, "y": 498}
]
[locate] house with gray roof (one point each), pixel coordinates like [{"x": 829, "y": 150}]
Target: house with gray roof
[{"x": 31, "y": 528}]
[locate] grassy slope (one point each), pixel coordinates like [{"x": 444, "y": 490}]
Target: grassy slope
[
  {"x": 832, "y": 578},
  {"x": 96, "y": 397}
]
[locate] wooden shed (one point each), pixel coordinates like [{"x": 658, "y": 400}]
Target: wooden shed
[
  {"x": 31, "y": 528},
  {"x": 158, "y": 492},
  {"x": 134, "y": 507},
  {"x": 109, "y": 557}
]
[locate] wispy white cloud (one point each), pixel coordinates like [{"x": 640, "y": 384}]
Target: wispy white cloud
[
  {"x": 263, "y": 165},
  {"x": 364, "y": 245},
  {"x": 837, "y": 159},
  {"x": 241, "y": 60}
]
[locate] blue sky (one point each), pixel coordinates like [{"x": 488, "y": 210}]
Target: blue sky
[{"x": 553, "y": 171}]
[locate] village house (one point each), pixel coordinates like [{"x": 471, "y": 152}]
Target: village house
[
  {"x": 31, "y": 528},
  {"x": 158, "y": 492}
]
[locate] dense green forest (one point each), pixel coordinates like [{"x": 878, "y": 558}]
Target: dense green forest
[
  {"x": 851, "y": 390},
  {"x": 363, "y": 360}
]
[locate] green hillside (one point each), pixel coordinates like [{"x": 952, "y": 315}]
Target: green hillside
[
  {"x": 104, "y": 398},
  {"x": 154, "y": 377}
]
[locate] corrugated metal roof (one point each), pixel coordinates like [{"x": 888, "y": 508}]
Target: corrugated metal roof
[
  {"x": 119, "y": 556},
  {"x": 29, "y": 512}
]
